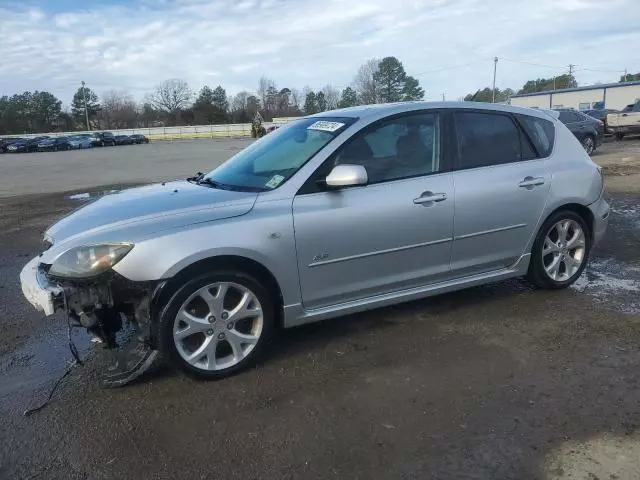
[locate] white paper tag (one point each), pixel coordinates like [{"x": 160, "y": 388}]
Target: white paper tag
[
  {"x": 325, "y": 126},
  {"x": 274, "y": 181}
]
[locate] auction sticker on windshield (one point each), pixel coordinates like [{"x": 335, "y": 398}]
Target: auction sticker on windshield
[
  {"x": 274, "y": 181},
  {"x": 325, "y": 126}
]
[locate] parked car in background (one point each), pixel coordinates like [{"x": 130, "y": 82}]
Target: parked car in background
[
  {"x": 602, "y": 116},
  {"x": 123, "y": 140},
  {"x": 81, "y": 141},
  {"x": 139, "y": 138},
  {"x": 5, "y": 142},
  {"x": 390, "y": 203},
  {"x": 53, "y": 144},
  {"x": 102, "y": 139},
  {"x": 588, "y": 130},
  {"x": 626, "y": 122},
  {"x": 25, "y": 145}
]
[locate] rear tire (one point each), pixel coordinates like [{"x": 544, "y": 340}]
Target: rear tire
[
  {"x": 589, "y": 144},
  {"x": 217, "y": 330},
  {"x": 560, "y": 251},
  {"x": 619, "y": 136}
]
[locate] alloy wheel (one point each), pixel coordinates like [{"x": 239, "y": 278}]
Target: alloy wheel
[
  {"x": 218, "y": 326},
  {"x": 588, "y": 145},
  {"x": 563, "y": 250}
]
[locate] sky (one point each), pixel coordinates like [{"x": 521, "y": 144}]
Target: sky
[{"x": 449, "y": 45}]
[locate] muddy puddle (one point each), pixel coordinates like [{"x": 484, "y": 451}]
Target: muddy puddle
[{"x": 29, "y": 372}]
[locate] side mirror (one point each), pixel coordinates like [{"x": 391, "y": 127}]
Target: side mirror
[{"x": 347, "y": 176}]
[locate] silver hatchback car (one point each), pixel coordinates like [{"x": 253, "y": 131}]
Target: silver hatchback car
[{"x": 335, "y": 213}]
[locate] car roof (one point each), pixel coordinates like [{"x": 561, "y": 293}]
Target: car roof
[{"x": 386, "y": 109}]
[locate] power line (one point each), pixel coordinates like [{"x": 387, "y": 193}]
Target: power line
[{"x": 532, "y": 63}]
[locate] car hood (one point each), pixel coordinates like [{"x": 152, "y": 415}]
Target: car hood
[{"x": 144, "y": 210}]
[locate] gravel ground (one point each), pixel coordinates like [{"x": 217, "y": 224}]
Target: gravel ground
[{"x": 495, "y": 382}]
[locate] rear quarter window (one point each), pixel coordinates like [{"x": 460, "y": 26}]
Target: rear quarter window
[{"x": 541, "y": 132}]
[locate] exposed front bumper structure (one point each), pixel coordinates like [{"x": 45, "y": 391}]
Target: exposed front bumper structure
[
  {"x": 40, "y": 293},
  {"x": 104, "y": 307}
]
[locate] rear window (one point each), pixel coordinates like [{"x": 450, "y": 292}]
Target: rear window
[{"x": 541, "y": 132}]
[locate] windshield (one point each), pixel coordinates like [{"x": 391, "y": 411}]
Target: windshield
[{"x": 272, "y": 160}]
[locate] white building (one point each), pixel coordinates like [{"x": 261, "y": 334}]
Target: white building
[{"x": 612, "y": 95}]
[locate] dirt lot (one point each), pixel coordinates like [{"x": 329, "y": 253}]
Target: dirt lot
[{"x": 496, "y": 382}]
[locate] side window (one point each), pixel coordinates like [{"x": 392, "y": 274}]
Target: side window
[
  {"x": 541, "y": 132},
  {"x": 636, "y": 107},
  {"x": 402, "y": 147},
  {"x": 486, "y": 139},
  {"x": 566, "y": 117}
]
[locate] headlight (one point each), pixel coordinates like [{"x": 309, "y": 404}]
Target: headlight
[{"x": 89, "y": 261}]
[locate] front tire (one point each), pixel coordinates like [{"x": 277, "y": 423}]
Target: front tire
[
  {"x": 216, "y": 324},
  {"x": 560, "y": 251},
  {"x": 619, "y": 136}
]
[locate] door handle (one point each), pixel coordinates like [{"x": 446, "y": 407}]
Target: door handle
[
  {"x": 429, "y": 198},
  {"x": 530, "y": 182}
]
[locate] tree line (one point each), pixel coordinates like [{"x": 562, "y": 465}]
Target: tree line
[
  {"x": 172, "y": 102},
  {"x": 532, "y": 86}
]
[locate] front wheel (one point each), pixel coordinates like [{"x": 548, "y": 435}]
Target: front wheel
[
  {"x": 560, "y": 251},
  {"x": 619, "y": 136},
  {"x": 216, "y": 324}
]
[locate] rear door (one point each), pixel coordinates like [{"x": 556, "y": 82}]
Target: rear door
[{"x": 501, "y": 186}]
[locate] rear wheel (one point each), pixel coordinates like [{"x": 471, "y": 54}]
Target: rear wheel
[
  {"x": 216, "y": 324},
  {"x": 560, "y": 251},
  {"x": 589, "y": 144},
  {"x": 619, "y": 136}
]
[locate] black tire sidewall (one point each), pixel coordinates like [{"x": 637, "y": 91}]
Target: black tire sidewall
[
  {"x": 169, "y": 311},
  {"x": 593, "y": 143},
  {"x": 537, "y": 273}
]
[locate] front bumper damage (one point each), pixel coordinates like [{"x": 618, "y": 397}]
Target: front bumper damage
[{"x": 113, "y": 309}]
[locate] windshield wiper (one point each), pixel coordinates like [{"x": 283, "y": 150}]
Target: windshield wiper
[
  {"x": 200, "y": 179},
  {"x": 212, "y": 183}
]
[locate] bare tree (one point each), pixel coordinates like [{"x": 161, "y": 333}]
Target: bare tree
[
  {"x": 118, "y": 110},
  {"x": 332, "y": 96},
  {"x": 170, "y": 95},
  {"x": 239, "y": 108},
  {"x": 365, "y": 82},
  {"x": 265, "y": 85},
  {"x": 297, "y": 99}
]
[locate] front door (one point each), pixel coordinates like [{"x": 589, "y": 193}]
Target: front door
[
  {"x": 501, "y": 191},
  {"x": 392, "y": 234}
]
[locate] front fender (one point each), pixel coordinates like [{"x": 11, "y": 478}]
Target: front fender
[{"x": 265, "y": 235}]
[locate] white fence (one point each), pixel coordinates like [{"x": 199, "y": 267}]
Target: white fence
[{"x": 175, "y": 133}]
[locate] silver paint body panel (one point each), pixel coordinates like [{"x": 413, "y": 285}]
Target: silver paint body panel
[{"x": 342, "y": 251}]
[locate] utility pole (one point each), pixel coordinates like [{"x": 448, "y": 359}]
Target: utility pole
[
  {"x": 625, "y": 74},
  {"x": 443, "y": 97},
  {"x": 570, "y": 70},
  {"x": 493, "y": 91},
  {"x": 86, "y": 111},
  {"x": 554, "y": 82}
]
